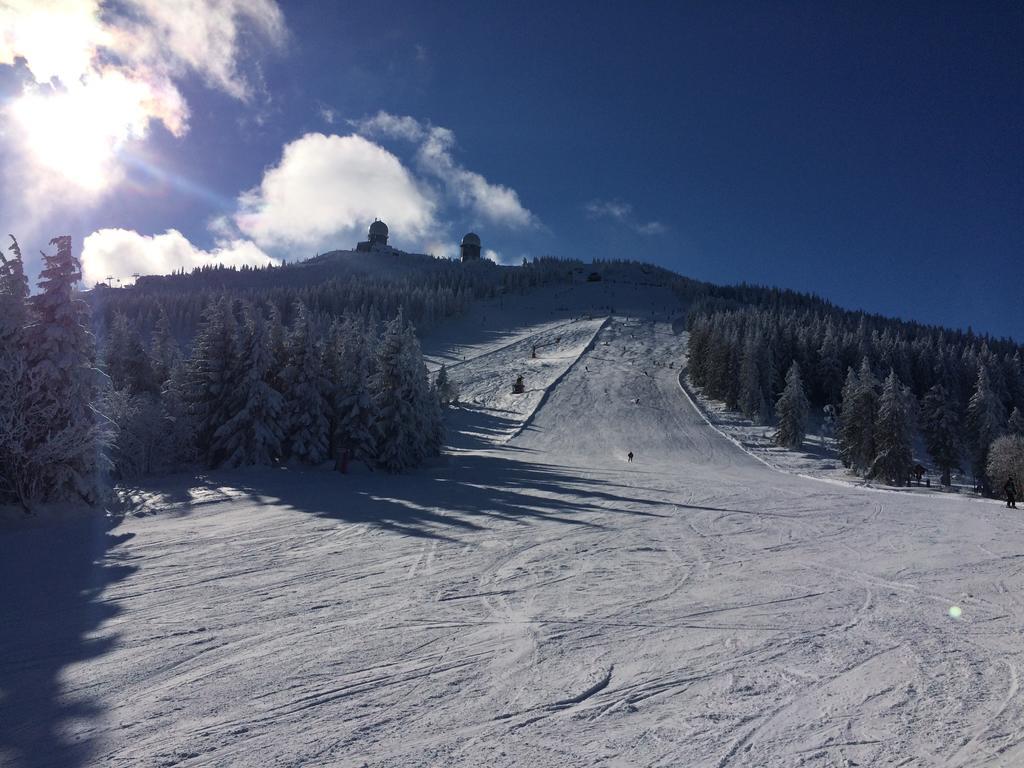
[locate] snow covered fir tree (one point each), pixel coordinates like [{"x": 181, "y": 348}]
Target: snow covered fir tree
[
  {"x": 249, "y": 391},
  {"x": 316, "y": 362},
  {"x": 792, "y": 410},
  {"x": 50, "y": 445},
  {"x": 308, "y": 363},
  {"x": 956, "y": 389}
]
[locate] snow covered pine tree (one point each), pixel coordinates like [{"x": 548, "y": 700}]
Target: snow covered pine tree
[
  {"x": 1006, "y": 460},
  {"x": 792, "y": 409},
  {"x": 857, "y": 418},
  {"x": 64, "y": 447},
  {"x": 986, "y": 420},
  {"x": 352, "y": 409},
  {"x": 210, "y": 370},
  {"x": 254, "y": 433},
  {"x": 894, "y": 425},
  {"x": 408, "y": 414},
  {"x": 940, "y": 422},
  {"x": 14, "y": 425},
  {"x": 307, "y": 427}
]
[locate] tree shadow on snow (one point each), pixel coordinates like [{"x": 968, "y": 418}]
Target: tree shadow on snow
[
  {"x": 817, "y": 451},
  {"x": 51, "y": 601},
  {"x": 471, "y": 427},
  {"x": 479, "y": 480},
  {"x": 465, "y": 495}
]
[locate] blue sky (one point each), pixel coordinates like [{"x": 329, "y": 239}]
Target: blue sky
[{"x": 866, "y": 152}]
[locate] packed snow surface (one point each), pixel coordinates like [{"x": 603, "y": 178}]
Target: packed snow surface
[{"x": 532, "y": 599}]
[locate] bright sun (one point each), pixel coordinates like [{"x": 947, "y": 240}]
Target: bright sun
[{"x": 78, "y": 132}]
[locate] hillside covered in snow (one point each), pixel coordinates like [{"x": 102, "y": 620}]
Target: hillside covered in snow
[{"x": 531, "y": 596}]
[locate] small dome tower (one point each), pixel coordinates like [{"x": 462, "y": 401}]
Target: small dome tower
[
  {"x": 378, "y": 233},
  {"x": 471, "y": 247}
]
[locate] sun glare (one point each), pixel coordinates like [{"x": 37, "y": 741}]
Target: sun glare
[{"x": 78, "y": 132}]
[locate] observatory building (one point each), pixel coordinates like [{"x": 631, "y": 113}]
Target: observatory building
[
  {"x": 377, "y": 242},
  {"x": 376, "y": 238},
  {"x": 471, "y": 247}
]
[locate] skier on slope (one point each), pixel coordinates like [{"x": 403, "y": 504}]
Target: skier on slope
[
  {"x": 1010, "y": 489},
  {"x": 629, "y": 457}
]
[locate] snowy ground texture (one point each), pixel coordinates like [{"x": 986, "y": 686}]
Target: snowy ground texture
[{"x": 530, "y": 600}]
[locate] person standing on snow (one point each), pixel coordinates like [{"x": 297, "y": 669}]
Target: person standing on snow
[
  {"x": 629, "y": 457},
  {"x": 1010, "y": 489}
]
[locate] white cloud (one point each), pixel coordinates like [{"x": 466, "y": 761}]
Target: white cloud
[
  {"x": 222, "y": 227},
  {"x": 326, "y": 189},
  {"x": 612, "y": 209},
  {"x": 622, "y": 213},
  {"x": 58, "y": 39},
  {"x": 442, "y": 248},
  {"x": 328, "y": 115},
  {"x": 651, "y": 228},
  {"x": 391, "y": 126},
  {"x": 499, "y": 258},
  {"x": 102, "y": 74},
  {"x": 202, "y": 36},
  {"x": 495, "y": 203},
  {"x": 123, "y": 252}
]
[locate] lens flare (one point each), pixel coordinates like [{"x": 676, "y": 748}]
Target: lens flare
[{"x": 78, "y": 131}]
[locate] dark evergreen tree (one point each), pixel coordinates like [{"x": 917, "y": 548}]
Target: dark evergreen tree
[
  {"x": 857, "y": 427},
  {"x": 127, "y": 362},
  {"x": 1005, "y": 461},
  {"x": 67, "y": 434},
  {"x": 13, "y": 280},
  {"x": 212, "y": 369},
  {"x": 353, "y": 423},
  {"x": 164, "y": 351},
  {"x": 429, "y": 421},
  {"x": 894, "y": 458},
  {"x": 849, "y": 428},
  {"x": 1015, "y": 425},
  {"x": 408, "y": 419},
  {"x": 15, "y": 428},
  {"x": 941, "y": 424},
  {"x": 178, "y": 420},
  {"x": 307, "y": 436},
  {"x": 752, "y": 400},
  {"x": 793, "y": 410},
  {"x": 253, "y": 435},
  {"x": 830, "y": 369},
  {"x": 139, "y": 438},
  {"x": 447, "y": 391},
  {"x": 986, "y": 420}
]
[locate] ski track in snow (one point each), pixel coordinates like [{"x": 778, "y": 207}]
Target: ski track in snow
[{"x": 530, "y": 599}]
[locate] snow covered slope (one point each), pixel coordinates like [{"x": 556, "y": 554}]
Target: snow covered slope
[{"x": 532, "y": 600}]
